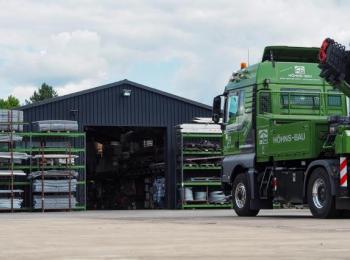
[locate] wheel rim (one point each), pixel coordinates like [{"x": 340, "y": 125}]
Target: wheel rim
[
  {"x": 319, "y": 193},
  {"x": 240, "y": 195}
]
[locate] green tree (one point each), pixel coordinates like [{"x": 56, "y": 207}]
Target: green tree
[
  {"x": 9, "y": 103},
  {"x": 44, "y": 92}
]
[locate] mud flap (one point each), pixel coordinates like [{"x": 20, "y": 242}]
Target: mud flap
[{"x": 255, "y": 202}]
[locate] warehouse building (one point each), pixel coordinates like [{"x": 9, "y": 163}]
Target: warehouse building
[{"x": 130, "y": 139}]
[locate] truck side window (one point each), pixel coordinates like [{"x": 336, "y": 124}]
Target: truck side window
[
  {"x": 334, "y": 98},
  {"x": 232, "y": 107},
  {"x": 300, "y": 97},
  {"x": 265, "y": 102}
]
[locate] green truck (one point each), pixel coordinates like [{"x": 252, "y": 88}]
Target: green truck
[{"x": 286, "y": 131}]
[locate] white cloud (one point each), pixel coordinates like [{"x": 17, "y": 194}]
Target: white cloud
[
  {"x": 23, "y": 92},
  {"x": 65, "y": 56},
  {"x": 81, "y": 85},
  {"x": 75, "y": 45}
]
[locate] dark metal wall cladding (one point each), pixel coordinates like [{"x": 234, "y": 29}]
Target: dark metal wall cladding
[{"x": 108, "y": 107}]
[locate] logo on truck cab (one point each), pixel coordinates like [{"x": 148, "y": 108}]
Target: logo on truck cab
[
  {"x": 299, "y": 73},
  {"x": 299, "y": 70},
  {"x": 263, "y": 136}
]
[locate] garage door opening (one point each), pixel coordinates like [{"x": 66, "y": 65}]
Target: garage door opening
[{"x": 125, "y": 167}]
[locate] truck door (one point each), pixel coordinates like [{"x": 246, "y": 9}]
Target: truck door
[
  {"x": 238, "y": 119},
  {"x": 231, "y": 136}
]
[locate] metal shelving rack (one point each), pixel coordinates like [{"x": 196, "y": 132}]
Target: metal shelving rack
[
  {"x": 73, "y": 139},
  {"x": 189, "y": 175},
  {"x": 9, "y": 132}
]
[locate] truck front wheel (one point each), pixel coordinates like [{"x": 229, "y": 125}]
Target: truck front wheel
[
  {"x": 320, "y": 199},
  {"x": 241, "y": 196}
]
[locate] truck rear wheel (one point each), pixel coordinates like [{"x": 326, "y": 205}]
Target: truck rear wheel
[
  {"x": 241, "y": 196},
  {"x": 320, "y": 199}
]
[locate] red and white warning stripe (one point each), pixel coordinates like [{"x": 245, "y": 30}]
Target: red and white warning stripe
[{"x": 343, "y": 172}]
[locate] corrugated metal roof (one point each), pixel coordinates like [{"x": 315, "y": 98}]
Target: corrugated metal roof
[{"x": 115, "y": 84}]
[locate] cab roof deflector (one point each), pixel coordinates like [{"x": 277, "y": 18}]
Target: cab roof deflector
[{"x": 290, "y": 54}]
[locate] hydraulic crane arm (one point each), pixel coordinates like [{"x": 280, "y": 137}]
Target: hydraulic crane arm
[{"x": 335, "y": 65}]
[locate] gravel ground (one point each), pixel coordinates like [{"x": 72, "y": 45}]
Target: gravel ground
[{"x": 170, "y": 234}]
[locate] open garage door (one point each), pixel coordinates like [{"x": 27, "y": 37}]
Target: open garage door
[{"x": 125, "y": 167}]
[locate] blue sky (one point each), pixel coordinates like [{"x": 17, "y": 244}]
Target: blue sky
[{"x": 188, "y": 48}]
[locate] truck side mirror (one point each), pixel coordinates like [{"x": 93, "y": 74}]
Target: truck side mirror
[{"x": 217, "y": 112}]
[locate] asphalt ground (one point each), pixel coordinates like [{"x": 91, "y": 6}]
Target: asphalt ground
[{"x": 173, "y": 234}]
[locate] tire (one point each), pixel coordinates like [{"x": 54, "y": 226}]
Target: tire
[
  {"x": 319, "y": 197},
  {"x": 241, "y": 197}
]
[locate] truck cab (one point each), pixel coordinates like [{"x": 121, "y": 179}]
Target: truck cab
[{"x": 281, "y": 140}]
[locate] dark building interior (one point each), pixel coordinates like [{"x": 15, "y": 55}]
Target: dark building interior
[{"x": 123, "y": 165}]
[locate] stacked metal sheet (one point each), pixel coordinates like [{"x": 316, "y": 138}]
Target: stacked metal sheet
[
  {"x": 53, "y": 173},
  {"x": 55, "y": 156},
  {"x": 200, "y": 127},
  {"x": 54, "y": 201},
  {"x": 10, "y": 191},
  {"x": 57, "y": 159},
  {"x": 15, "y": 155},
  {"x": 217, "y": 197},
  {"x": 14, "y": 116},
  {"x": 5, "y": 138},
  {"x": 5, "y": 203},
  {"x": 14, "y": 172},
  {"x": 55, "y": 125},
  {"x": 55, "y": 185}
]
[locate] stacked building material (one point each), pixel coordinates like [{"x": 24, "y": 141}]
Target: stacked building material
[
  {"x": 5, "y": 199},
  {"x": 217, "y": 197},
  {"x": 17, "y": 158},
  {"x": 53, "y": 173},
  {"x": 208, "y": 128},
  {"x": 14, "y": 155},
  {"x": 55, "y": 125},
  {"x": 56, "y": 188},
  {"x": 11, "y": 120},
  {"x": 54, "y": 185},
  {"x": 14, "y": 172},
  {"x": 5, "y": 138},
  {"x": 11, "y": 197},
  {"x": 5, "y": 203},
  {"x": 54, "y": 201},
  {"x": 199, "y": 158}
]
